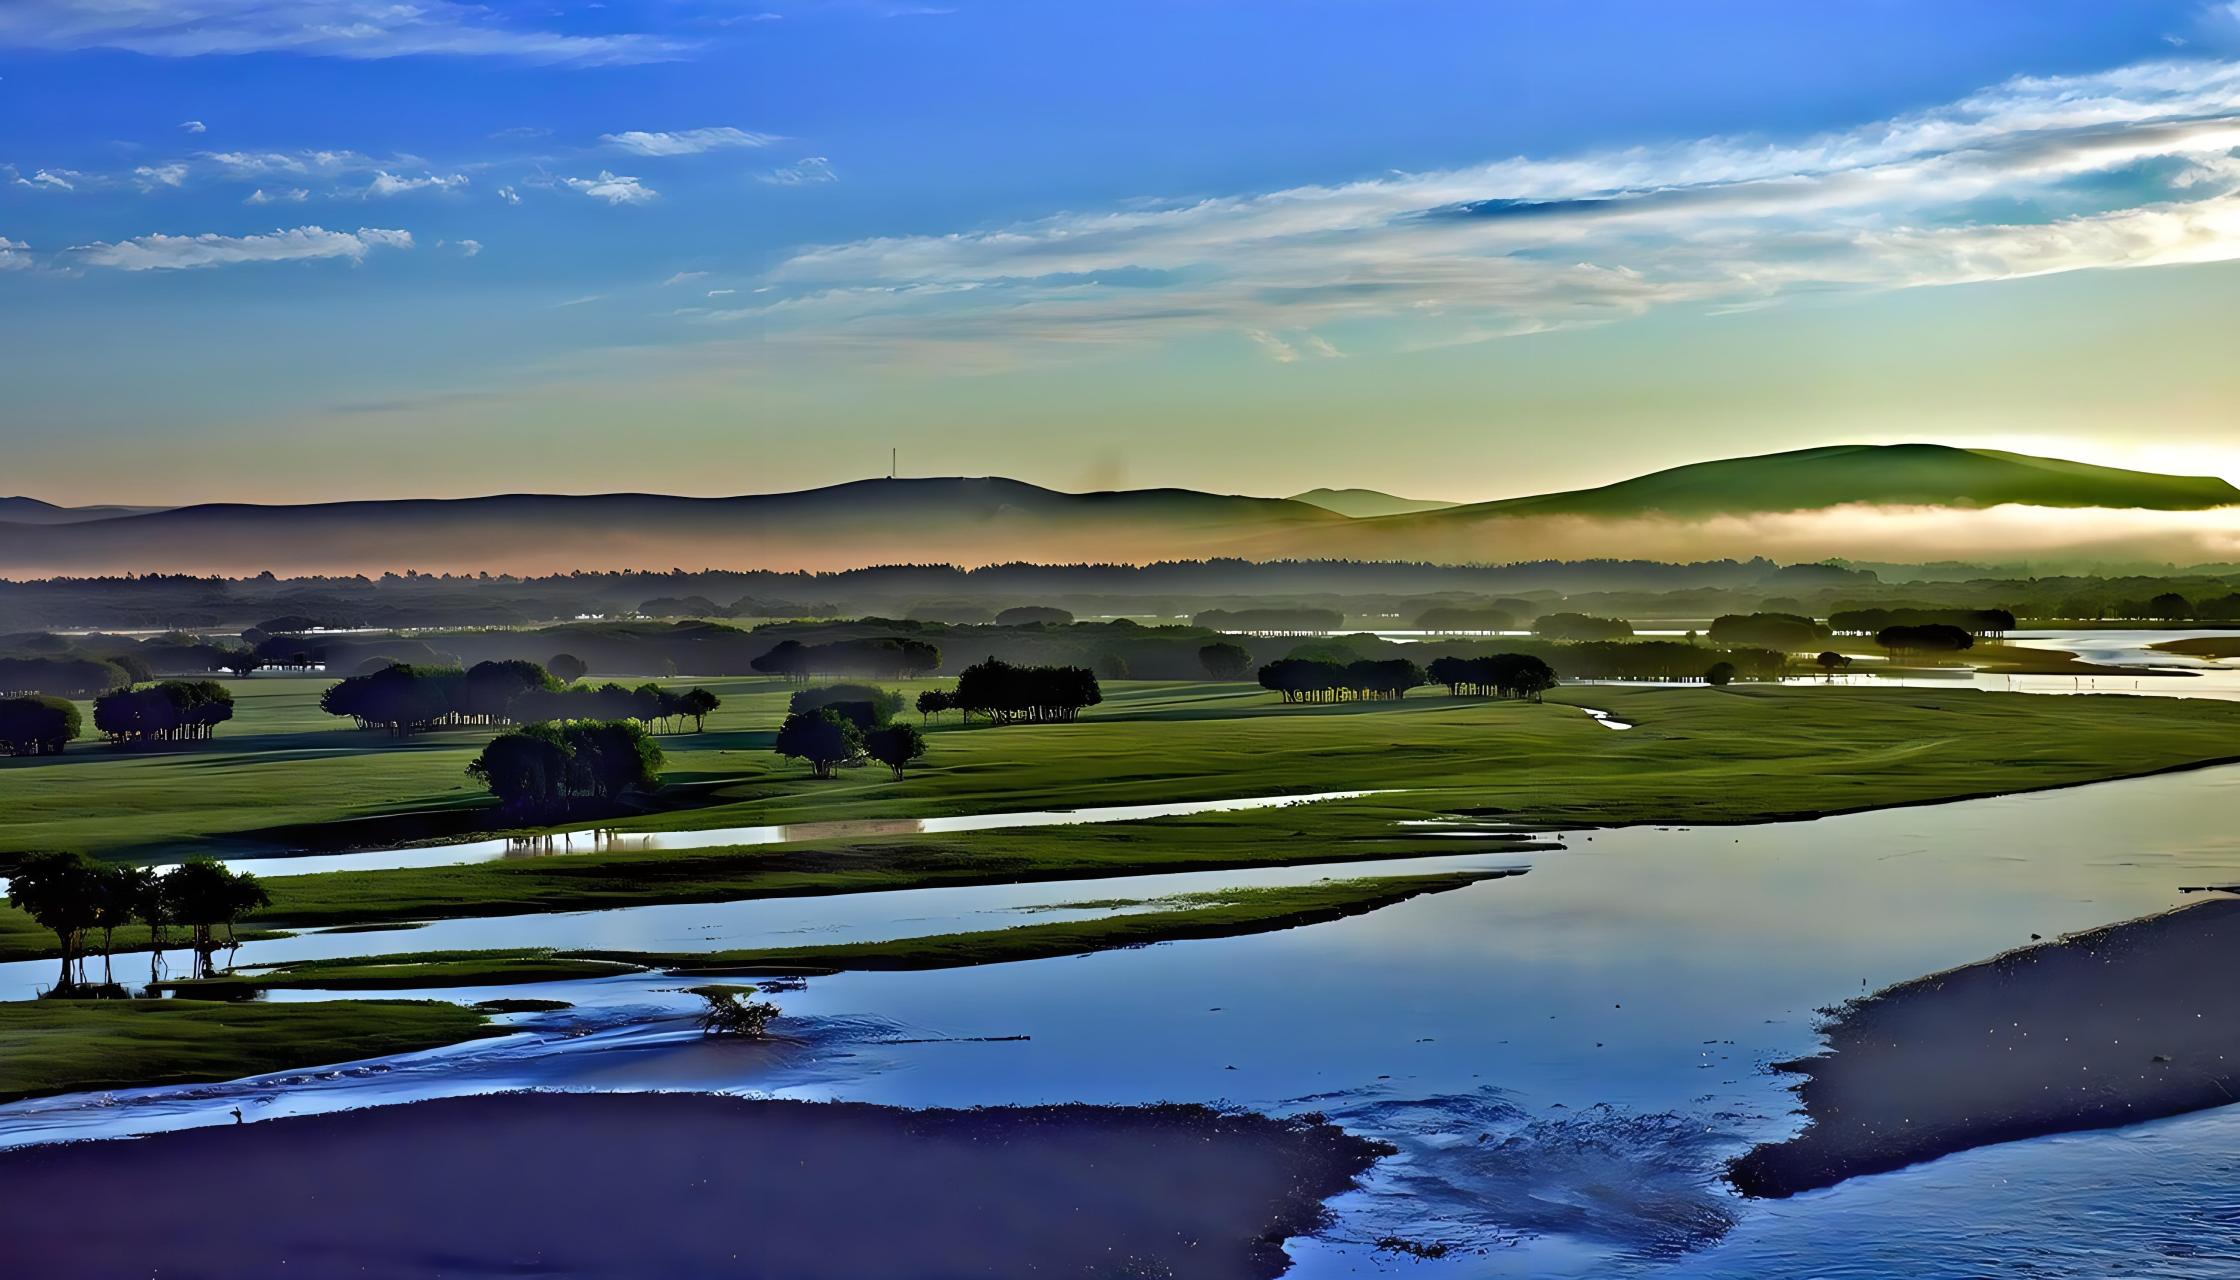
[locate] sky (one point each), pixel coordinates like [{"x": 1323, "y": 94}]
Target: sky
[{"x": 309, "y": 250}]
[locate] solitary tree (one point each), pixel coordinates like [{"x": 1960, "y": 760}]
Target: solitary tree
[
  {"x": 895, "y": 746},
  {"x": 1831, "y": 662},
  {"x": 824, "y": 738},
  {"x": 1226, "y": 661},
  {"x": 1721, "y": 673},
  {"x": 697, "y": 703},
  {"x": 567, "y": 666},
  {"x": 61, "y": 892}
]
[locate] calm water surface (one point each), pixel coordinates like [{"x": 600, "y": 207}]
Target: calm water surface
[{"x": 1564, "y": 1056}]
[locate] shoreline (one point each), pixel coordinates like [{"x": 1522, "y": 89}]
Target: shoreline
[
  {"x": 2125, "y": 1023},
  {"x": 692, "y": 1184}
]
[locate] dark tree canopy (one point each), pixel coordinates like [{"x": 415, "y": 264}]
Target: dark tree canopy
[
  {"x": 1719, "y": 673},
  {"x": 548, "y": 768},
  {"x": 1932, "y": 637},
  {"x": 1580, "y": 626},
  {"x": 889, "y": 657},
  {"x": 173, "y": 711},
  {"x": 1007, "y": 694},
  {"x": 1500, "y": 675},
  {"x": 1225, "y": 661},
  {"x": 823, "y": 738},
  {"x": 61, "y": 677},
  {"x": 895, "y": 746},
  {"x": 1034, "y": 615},
  {"x": 37, "y": 725},
  {"x": 1866, "y": 622},
  {"x": 1317, "y": 680},
  {"x": 1788, "y": 632},
  {"x": 566, "y": 667},
  {"x": 868, "y": 706}
]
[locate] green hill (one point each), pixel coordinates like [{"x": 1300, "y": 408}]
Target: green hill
[
  {"x": 1888, "y": 474},
  {"x": 1364, "y": 504}
]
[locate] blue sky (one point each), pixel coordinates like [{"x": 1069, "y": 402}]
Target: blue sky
[{"x": 346, "y": 248}]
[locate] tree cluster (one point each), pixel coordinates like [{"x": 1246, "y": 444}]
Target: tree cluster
[
  {"x": 406, "y": 699},
  {"x": 1933, "y": 637},
  {"x": 1867, "y": 622},
  {"x": 866, "y": 706},
  {"x": 1276, "y": 621},
  {"x": 1225, "y": 661},
  {"x": 1005, "y": 694},
  {"x": 1788, "y": 632},
  {"x": 76, "y": 897},
  {"x": 173, "y": 711},
  {"x": 1319, "y": 680},
  {"x": 37, "y": 725},
  {"x": 1499, "y": 675},
  {"x": 1580, "y": 626},
  {"x": 61, "y": 677},
  {"x": 545, "y": 770},
  {"x": 888, "y": 657}
]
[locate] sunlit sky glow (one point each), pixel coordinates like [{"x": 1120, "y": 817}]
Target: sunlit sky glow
[{"x": 355, "y": 248}]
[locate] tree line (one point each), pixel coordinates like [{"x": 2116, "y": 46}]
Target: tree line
[
  {"x": 80, "y": 899},
  {"x": 1788, "y": 632},
  {"x": 413, "y": 699},
  {"x": 37, "y": 725},
  {"x": 1499, "y": 675},
  {"x": 172, "y": 711},
  {"x": 1001, "y": 693},
  {"x": 1931, "y": 637},
  {"x": 889, "y": 657},
  {"x": 1866, "y": 622},
  {"x": 1321, "y": 680}
]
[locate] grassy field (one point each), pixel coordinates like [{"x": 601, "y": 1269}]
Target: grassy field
[
  {"x": 2203, "y": 646},
  {"x": 1698, "y": 755},
  {"x": 69, "y": 1046}
]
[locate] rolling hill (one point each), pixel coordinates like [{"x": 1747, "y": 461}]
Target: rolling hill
[
  {"x": 1730, "y": 508},
  {"x": 1366, "y": 503}
]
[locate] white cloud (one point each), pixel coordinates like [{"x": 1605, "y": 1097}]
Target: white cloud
[
  {"x": 286, "y": 195},
  {"x": 387, "y": 184},
  {"x": 323, "y": 28},
  {"x": 721, "y": 293},
  {"x": 612, "y": 189},
  {"x": 468, "y": 248},
  {"x": 174, "y": 253},
  {"x": 15, "y": 255},
  {"x": 509, "y": 195},
  {"x": 2129, "y": 167},
  {"x": 687, "y": 142},
  {"x": 152, "y": 176},
  {"x": 806, "y": 171},
  {"x": 50, "y": 179},
  {"x": 194, "y": 126},
  {"x": 685, "y": 277}
]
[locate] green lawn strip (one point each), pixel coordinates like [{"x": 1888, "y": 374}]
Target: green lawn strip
[
  {"x": 1246, "y": 911},
  {"x": 2203, "y": 647},
  {"x": 1219, "y": 914},
  {"x": 414, "y": 972},
  {"x": 71, "y": 1046}
]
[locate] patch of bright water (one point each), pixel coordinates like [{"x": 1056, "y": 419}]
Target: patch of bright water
[
  {"x": 1566, "y": 1057},
  {"x": 607, "y": 841}
]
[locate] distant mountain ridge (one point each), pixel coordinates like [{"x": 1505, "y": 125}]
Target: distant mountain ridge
[
  {"x": 21, "y": 510},
  {"x": 993, "y": 520}
]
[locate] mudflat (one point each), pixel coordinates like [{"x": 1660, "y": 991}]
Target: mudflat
[
  {"x": 665, "y": 1185},
  {"x": 2114, "y": 1026}
]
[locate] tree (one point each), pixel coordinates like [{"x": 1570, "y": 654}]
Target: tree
[
  {"x": 173, "y": 711},
  {"x": 697, "y": 703},
  {"x": 1831, "y": 662},
  {"x": 153, "y": 907},
  {"x": 1112, "y": 666},
  {"x": 1721, "y": 673},
  {"x": 933, "y": 702},
  {"x": 543, "y": 769},
  {"x": 1934, "y": 637},
  {"x": 1007, "y": 694},
  {"x": 62, "y": 892},
  {"x": 37, "y": 725},
  {"x": 206, "y": 896},
  {"x": 489, "y": 688},
  {"x": 1225, "y": 661},
  {"x": 567, "y": 667},
  {"x": 894, "y": 746},
  {"x": 730, "y": 1013},
  {"x": 527, "y": 770},
  {"x": 117, "y": 897},
  {"x": 824, "y": 738},
  {"x": 2170, "y": 607},
  {"x": 867, "y": 705}
]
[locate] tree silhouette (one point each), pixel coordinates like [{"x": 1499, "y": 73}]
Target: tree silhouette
[
  {"x": 823, "y": 738},
  {"x": 567, "y": 666},
  {"x": 895, "y": 746},
  {"x": 1225, "y": 661},
  {"x": 62, "y": 892}
]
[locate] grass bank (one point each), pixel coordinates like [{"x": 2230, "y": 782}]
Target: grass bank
[
  {"x": 72, "y": 1046},
  {"x": 2219, "y": 647},
  {"x": 1224, "y": 914}
]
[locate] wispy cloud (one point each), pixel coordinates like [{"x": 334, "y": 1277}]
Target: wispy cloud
[
  {"x": 152, "y": 176},
  {"x": 363, "y": 29},
  {"x": 612, "y": 188},
  {"x": 286, "y": 195},
  {"x": 685, "y": 277},
  {"x": 806, "y": 171},
  {"x": 177, "y": 253},
  {"x": 194, "y": 126},
  {"x": 2131, "y": 167},
  {"x": 15, "y": 255},
  {"x": 509, "y": 195},
  {"x": 687, "y": 142},
  {"x": 47, "y": 179}
]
